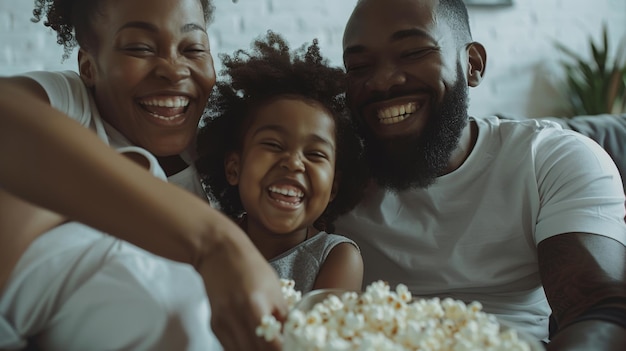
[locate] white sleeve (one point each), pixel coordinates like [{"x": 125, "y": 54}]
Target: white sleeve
[
  {"x": 66, "y": 93},
  {"x": 580, "y": 188}
]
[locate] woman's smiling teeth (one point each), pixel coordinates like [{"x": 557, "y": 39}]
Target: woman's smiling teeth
[
  {"x": 287, "y": 195},
  {"x": 165, "y": 107},
  {"x": 395, "y": 114}
]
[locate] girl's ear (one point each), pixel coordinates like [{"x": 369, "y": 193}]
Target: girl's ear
[
  {"x": 231, "y": 167},
  {"x": 87, "y": 67},
  {"x": 477, "y": 63},
  {"x": 335, "y": 188}
]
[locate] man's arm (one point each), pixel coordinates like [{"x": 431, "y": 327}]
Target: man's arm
[{"x": 584, "y": 277}]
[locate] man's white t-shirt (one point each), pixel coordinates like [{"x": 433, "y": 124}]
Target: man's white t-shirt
[{"x": 473, "y": 234}]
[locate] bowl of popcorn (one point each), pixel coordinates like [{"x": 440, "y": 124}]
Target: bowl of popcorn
[{"x": 381, "y": 319}]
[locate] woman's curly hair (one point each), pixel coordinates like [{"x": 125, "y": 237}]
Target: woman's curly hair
[
  {"x": 72, "y": 19},
  {"x": 252, "y": 79}
]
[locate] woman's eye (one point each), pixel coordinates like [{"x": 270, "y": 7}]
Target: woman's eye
[
  {"x": 196, "y": 49},
  {"x": 138, "y": 49}
]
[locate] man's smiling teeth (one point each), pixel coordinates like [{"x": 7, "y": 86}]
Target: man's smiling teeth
[
  {"x": 395, "y": 114},
  {"x": 287, "y": 192}
]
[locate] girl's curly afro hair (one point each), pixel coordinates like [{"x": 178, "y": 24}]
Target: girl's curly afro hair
[
  {"x": 71, "y": 19},
  {"x": 254, "y": 78}
]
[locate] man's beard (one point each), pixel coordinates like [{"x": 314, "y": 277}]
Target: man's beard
[{"x": 400, "y": 163}]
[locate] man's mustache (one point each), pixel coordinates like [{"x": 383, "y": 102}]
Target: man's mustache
[{"x": 391, "y": 94}]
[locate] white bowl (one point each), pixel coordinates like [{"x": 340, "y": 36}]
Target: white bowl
[{"x": 290, "y": 342}]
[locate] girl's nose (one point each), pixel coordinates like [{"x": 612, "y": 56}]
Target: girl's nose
[{"x": 293, "y": 162}]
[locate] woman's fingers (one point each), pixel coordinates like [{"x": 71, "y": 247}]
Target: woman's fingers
[
  {"x": 242, "y": 288},
  {"x": 236, "y": 316}
]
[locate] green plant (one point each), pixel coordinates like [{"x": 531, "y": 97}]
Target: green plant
[{"x": 597, "y": 85}]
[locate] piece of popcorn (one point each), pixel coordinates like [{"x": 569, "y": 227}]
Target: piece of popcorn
[
  {"x": 269, "y": 328},
  {"x": 403, "y": 293},
  {"x": 292, "y": 296}
]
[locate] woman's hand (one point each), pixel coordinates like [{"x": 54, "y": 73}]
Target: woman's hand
[{"x": 242, "y": 288}]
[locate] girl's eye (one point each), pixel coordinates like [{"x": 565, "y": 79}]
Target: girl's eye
[
  {"x": 271, "y": 145},
  {"x": 318, "y": 155}
]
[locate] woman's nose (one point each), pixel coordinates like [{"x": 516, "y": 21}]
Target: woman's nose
[{"x": 173, "y": 69}]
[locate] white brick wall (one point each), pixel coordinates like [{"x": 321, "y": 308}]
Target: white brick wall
[{"x": 523, "y": 75}]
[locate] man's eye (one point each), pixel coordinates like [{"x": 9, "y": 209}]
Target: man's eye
[
  {"x": 138, "y": 49},
  {"x": 357, "y": 68},
  {"x": 417, "y": 54}
]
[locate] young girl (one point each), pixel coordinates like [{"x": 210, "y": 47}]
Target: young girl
[{"x": 281, "y": 157}]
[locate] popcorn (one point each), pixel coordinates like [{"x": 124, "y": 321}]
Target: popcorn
[
  {"x": 289, "y": 292},
  {"x": 269, "y": 328},
  {"x": 383, "y": 319}
]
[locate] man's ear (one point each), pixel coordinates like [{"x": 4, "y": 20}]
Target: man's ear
[
  {"x": 87, "y": 67},
  {"x": 231, "y": 167},
  {"x": 476, "y": 63}
]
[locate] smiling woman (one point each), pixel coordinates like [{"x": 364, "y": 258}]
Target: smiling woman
[
  {"x": 144, "y": 79},
  {"x": 95, "y": 250}
]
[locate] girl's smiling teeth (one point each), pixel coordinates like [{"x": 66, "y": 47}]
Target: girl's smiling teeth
[
  {"x": 287, "y": 195},
  {"x": 395, "y": 114},
  {"x": 165, "y": 107}
]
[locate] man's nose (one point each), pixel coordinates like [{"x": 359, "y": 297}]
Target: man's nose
[{"x": 384, "y": 77}]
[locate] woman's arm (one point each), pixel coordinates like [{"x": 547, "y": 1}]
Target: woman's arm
[
  {"x": 343, "y": 269},
  {"x": 55, "y": 163}
]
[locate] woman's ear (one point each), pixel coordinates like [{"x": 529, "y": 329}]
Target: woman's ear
[
  {"x": 87, "y": 67},
  {"x": 231, "y": 167},
  {"x": 476, "y": 63}
]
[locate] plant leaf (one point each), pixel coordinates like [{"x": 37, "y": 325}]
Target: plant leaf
[
  {"x": 596, "y": 85},
  {"x": 599, "y": 57},
  {"x": 568, "y": 52},
  {"x": 613, "y": 88}
]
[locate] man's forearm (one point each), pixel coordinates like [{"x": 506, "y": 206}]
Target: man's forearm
[{"x": 590, "y": 335}]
